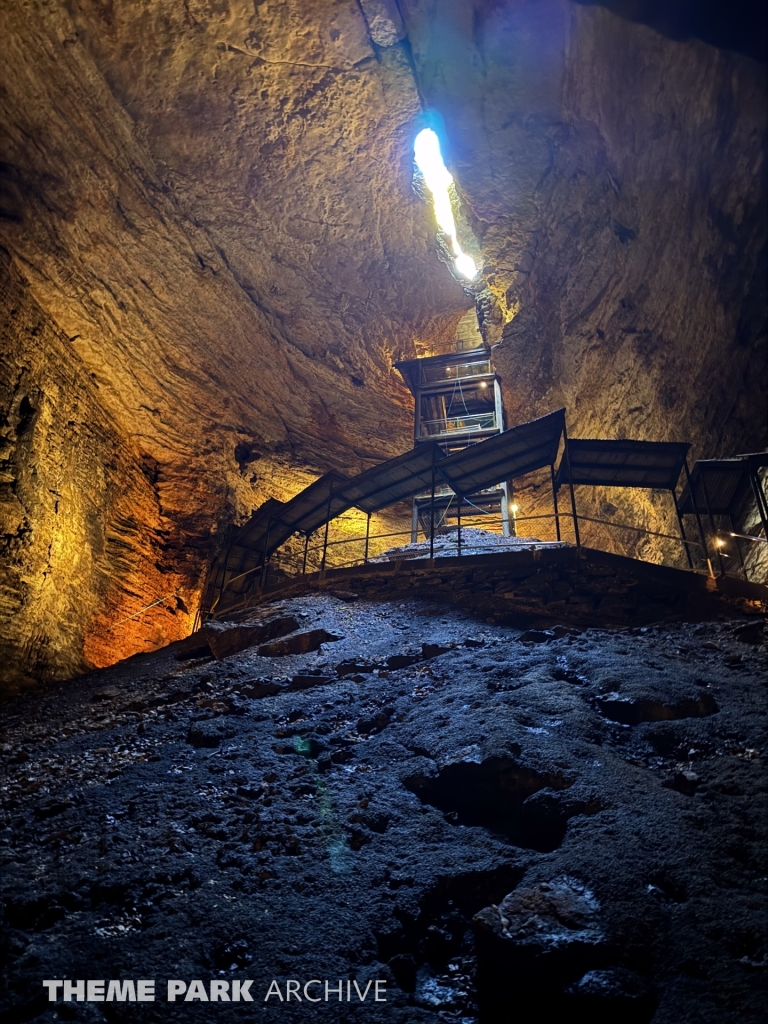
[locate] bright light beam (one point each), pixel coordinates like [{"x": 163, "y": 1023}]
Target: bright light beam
[{"x": 429, "y": 160}]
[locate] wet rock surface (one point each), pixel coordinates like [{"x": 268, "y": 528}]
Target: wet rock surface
[{"x": 422, "y": 799}]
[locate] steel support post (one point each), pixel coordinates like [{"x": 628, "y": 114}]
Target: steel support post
[
  {"x": 757, "y": 490},
  {"x": 263, "y": 580},
  {"x": 702, "y": 538},
  {"x": 325, "y": 538},
  {"x": 554, "y": 501},
  {"x": 738, "y": 548},
  {"x": 570, "y": 488},
  {"x": 682, "y": 529},
  {"x": 713, "y": 528},
  {"x": 432, "y": 515}
]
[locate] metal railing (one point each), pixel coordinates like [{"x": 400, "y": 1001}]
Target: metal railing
[
  {"x": 462, "y": 371},
  {"x": 446, "y": 541},
  {"x": 451, "y": 539},
  {"x": 458, "y": 424}
]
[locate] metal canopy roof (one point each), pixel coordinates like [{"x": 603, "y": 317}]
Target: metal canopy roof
[
  {"x": 755, "y": 461},
  {"x": 410, "y": 369},
  {"x": 722, "y": 479},
  {"x": 271, "y": 526},
  {"x": 393, "y": 480},
  {"x": 303, "y": 513},
  {"x": 510, "y": 454},
  {"x": 309, "y": 508},
  {"x": 251, "y": 534},
  {"x": 623, "y": 463},
  {"x": 245, "y": 551}
]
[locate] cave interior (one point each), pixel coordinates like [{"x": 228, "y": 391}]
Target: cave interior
[{"x": 383, "y": 460}]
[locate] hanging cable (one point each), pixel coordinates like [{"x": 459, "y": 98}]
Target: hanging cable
[{"x": 485, "y": 511}]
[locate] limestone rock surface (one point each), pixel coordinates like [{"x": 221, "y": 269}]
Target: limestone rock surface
[
  {"x": 256, "y": 818},
  {"x": 210, "y": 207},
  {"x": 615, "y": 181}
]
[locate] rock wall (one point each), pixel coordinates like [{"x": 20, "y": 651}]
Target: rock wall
[
  {"x": 212, "y": 203},
  {"x": 210, "y": 206},
  {"x": 82, "y": 540}
]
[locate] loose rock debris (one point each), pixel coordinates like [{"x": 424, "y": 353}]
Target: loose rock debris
[{"x": 568, "y": 824}]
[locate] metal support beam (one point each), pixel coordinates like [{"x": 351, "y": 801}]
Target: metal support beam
[
  {"x": 554, "y": 501},
  {"x": 498, "y": 405},
  {"x": 508, "y": 527},
  {"x": 415, "y": 522},
  {"x": 458, "y": 518},
  {"x": 263, "y": 580},
  {"x": 738, "y": 548},
  {"x": 325, "y": 539},
  {"x": 713, "y": 528},
  {"x": 367, "y": 537},
  {"x": 306, "y": 549},
  {"x": 432, "y": 515},
  {"x": 570, "y": 488},
  {"x": 218, "y": 588},
  {"x": 757, "y": 490},
  {"x": 682, "y": 529},
  {"x": 702, "y": 538}
]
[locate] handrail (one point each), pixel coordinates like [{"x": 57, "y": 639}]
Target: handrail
[
  {"x": 453, "y": 373},
  {"x": 360, "y": 540},
  {"x": 469, "y": 423},
  {"x": 747, "y": 536},
  {"x": 641, "y": 529},
  {"x": 515, "y": 519}
]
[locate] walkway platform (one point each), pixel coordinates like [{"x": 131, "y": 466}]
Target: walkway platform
[{"x": 541, "y": 586}]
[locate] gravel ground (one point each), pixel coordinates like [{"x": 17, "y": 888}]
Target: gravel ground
[
  {"x": 497, "y": 825},
  {"x": 473, "y": 542}
]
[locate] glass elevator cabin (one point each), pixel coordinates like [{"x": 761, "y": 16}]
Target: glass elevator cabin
[{"x": 457, "y": 403}]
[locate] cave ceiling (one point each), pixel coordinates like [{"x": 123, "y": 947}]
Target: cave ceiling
[
  {"x": 218, "y": 212},
  {"x": 211, "y": 205}
]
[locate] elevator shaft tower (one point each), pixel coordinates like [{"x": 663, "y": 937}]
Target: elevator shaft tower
[{"x": 457, "y": 402}]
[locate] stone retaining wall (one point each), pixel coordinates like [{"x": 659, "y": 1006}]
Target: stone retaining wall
[{"x": 584, "y": 587}]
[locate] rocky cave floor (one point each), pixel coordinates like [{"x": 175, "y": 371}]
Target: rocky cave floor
[{"x": 504, "y": 825}]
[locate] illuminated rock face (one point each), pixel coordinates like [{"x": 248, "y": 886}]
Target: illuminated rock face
[
  {"x": 208, "y": 211},
  {"x": 617, "y": 183},
  {"x": 213, "y": 203},
  {"x": 83, "y": 537}
]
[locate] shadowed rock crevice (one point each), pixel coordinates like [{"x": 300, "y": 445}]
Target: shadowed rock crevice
[
  {"x": 633, "y": 711},
  {"x": 545, "y": 946},
  {"x": 498, "y": 794},
  {"x": 432, "y": 955}
]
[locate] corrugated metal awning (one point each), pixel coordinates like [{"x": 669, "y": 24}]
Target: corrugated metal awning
[
  {"x": 310, "y": 508},
  {"x": 723, "y": 479},
  {"x": 393, "y": 480},
  {"x": 513, "y": 453},
  {"x": 654, "y": 464},
  {"x": 303, "y": 513},
  {"x": 251, "y": 535}
]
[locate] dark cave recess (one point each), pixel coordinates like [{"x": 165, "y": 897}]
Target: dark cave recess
[{"x": 741, "y": 26}]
